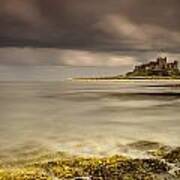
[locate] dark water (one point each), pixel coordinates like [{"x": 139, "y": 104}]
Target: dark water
[{"x": 90, "y": 118}]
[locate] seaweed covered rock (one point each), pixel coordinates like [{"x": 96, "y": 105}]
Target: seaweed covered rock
[
  {"x": 116, "y": 167},
  {"x": 144, "y": 145},
  {"x": 108, "y": 168},
  {"x": 160, "y": 152},
  {"x": 152, "y": 149},
  {"x": 173, "y": 156},
  {"x": 30, "y": 173},
  {"x": 132, "y": 169}
]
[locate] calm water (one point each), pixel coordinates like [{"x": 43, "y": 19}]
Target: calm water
[{"x": 87, "y": 117}]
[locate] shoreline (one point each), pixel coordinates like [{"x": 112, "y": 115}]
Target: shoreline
[
  {"x": 123, "y": 80},
  {"x": 164, "y": 163}
]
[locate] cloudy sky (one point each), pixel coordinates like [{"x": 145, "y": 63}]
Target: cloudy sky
[{"x": 100, "y": 33}]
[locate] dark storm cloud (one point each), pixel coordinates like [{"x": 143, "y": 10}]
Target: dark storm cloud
[
  {"x": 92, "y": 26},
  {"x": 164, "y": 13},
  {"x": 74, "y": 24}
]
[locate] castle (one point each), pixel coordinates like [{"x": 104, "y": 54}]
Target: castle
[{"x": 160, "y": 67}]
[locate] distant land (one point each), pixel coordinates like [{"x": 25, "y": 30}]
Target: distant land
[{"x": 159, "y": 69}]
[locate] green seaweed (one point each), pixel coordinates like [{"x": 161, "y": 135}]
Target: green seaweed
[
  {"x": 116, "y": 167},
  {"x": 62, "y": 166}
]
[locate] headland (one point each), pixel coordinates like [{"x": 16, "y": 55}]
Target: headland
[{"x": 160, "y": 69}]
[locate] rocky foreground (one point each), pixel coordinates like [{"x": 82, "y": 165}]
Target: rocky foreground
[{"x": 162, "y": 164}]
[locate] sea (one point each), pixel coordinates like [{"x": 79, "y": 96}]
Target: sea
[{"x": 87, "y": 118}]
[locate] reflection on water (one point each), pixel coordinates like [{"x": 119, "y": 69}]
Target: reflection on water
[{"x": 87, "y": 117}]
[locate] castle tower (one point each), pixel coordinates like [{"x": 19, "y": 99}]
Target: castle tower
[
  {"x": 175, "y": 65},
  {"x": 162, "y": 63}
]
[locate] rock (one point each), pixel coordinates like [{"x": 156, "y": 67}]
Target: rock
[
  {"x": 173, "y": 156},
  {"x": 144, "y": 145},
  {"x": 110, "y": 168},
  {"x": 160, "y": 152}
]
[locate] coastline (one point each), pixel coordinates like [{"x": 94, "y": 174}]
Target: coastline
[
  {"x": 126, "y": 79},
  {"x": 163, "y": 163}
]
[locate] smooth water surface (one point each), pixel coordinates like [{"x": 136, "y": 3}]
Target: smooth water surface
[{"x": 87, "y": 117}]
